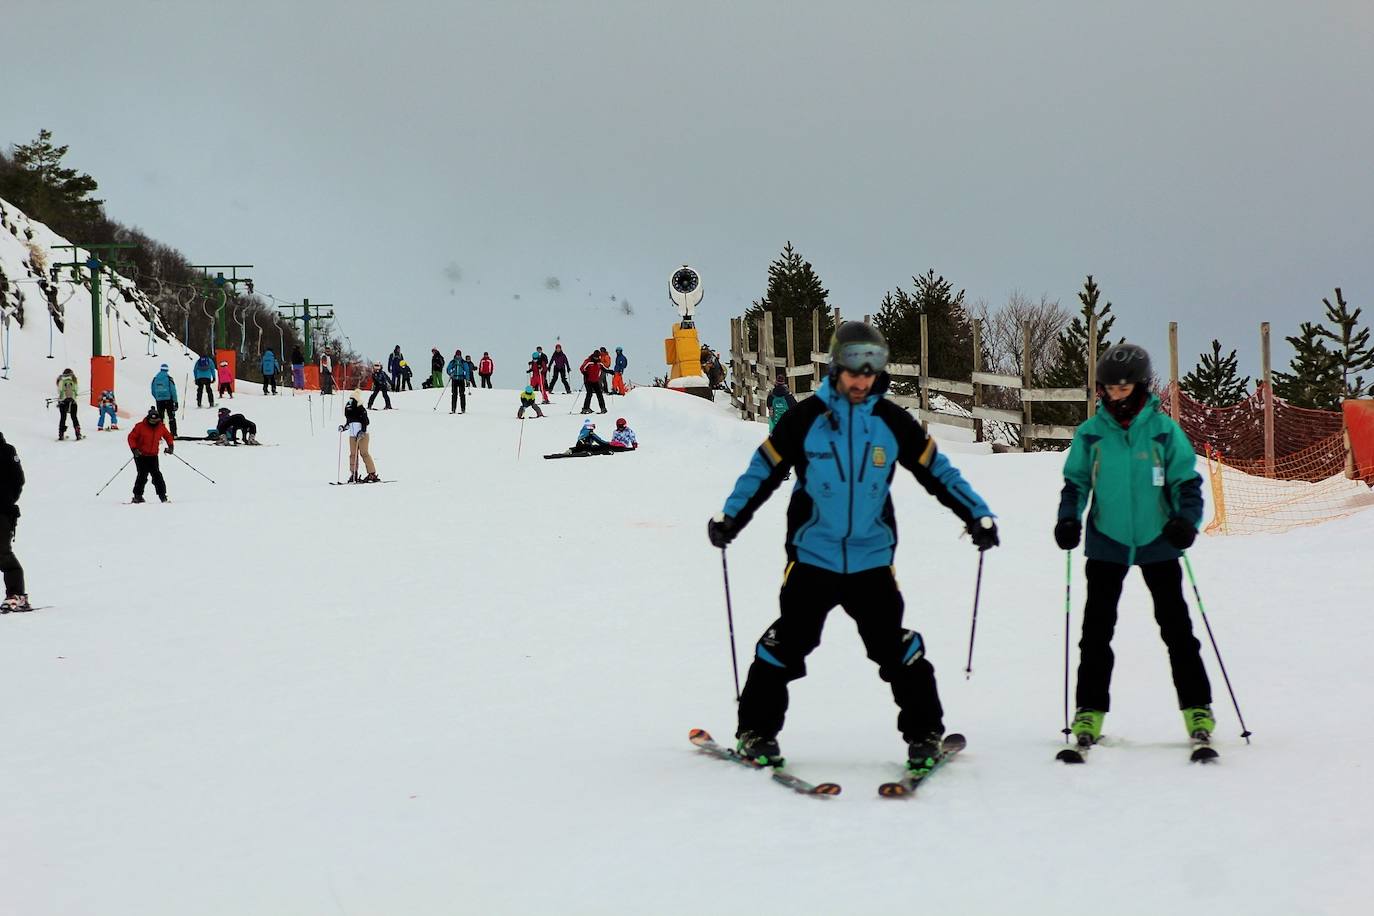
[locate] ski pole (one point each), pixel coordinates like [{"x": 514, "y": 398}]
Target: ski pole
[
  {"x": 116, "y": 474},
  {"x": 1068, "y": 580},
  {"x": 443, "y": 389},
  {"x": 338, "y": 463},
  {"x": 977, "y": 589},
  {"x": 1244, "y": 732},
  {"x": 188, "y": 464},
  {"x": 730, "y": 618}
]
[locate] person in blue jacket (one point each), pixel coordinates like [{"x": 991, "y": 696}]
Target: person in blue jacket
[
  {"x": 460, "y": 374},
  {"x": 165, "y": 394},
  {"x": 269, "y": 371},
  {"x": 845, "y": 443},
  {"x": 204, "y": 374}
]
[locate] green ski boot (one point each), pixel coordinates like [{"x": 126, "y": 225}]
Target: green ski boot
[
  {"x": 1199, "y": 722},
  {"x": 761, "y": 749},
  {"x": 1087, "y": 726}
]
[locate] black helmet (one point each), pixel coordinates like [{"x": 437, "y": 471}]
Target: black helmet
[
  {"x": 858, "y": 347},
  {"x": 1124, "y": 364},
  {"x": 224, "y": 410},
  {"x": 153, "y": 416}
]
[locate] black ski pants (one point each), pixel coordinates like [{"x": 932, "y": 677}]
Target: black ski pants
[
  {"x": 560, "y": 372},
  {"x": 146, "y": 465},
  {"x": 459, "y": 394},
  {"x": 486, "y": 379},
  {"x": 65, "y": 406},
  {"x": 873, "y": 600},
  {"x": 206, "y": 387},
  {"x": 386, "y": 398},
  {"x": 326, "y": 381},
  {"x": 268, "y": 380},
  {"x": 594, "y": 388},
  {"x": 9, "y": 563},
  {"x": 1095, "y": 658},
  {"x": 167, "y": 410}
]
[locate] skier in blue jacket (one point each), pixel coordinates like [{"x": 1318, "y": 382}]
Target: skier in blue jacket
[
  {"x": 845, "y": 444},
  {"x": 204, "y": 374},
  {"x": 459, "y": 372},
  {"x": 269, "y": 371},
  {"x": 165, "y": 394}
]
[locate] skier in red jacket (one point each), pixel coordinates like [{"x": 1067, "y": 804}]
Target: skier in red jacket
[
  {"x": 591, "y": 369},
  {"x": 143, "y": 442},
  {"x": 485, "y": 368}
]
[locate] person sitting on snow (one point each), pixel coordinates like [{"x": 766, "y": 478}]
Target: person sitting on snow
[
  {"x": 230, "y": 425},
  {"x": 623, "y": 437},
  {"x": 588, "y": 440}
]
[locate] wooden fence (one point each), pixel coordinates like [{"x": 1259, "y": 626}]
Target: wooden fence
[{"x": 755, "y": 363}]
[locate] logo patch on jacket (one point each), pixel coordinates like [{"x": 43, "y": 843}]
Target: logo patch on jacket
[{"x": 879, "y": 456}]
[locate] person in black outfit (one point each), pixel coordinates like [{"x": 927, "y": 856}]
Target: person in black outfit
[
  {"x": 559, "y": 365},
  {"x": 230, "y": 425},
  {"x": 380, "y": 385},
  {"x": 11, "y": 485}
]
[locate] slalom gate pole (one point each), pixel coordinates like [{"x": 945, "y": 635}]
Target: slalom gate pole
[
  {"x": 310, "y": 409},
  {"x": 977, "y": 590},
  {"x": 730, "y": 618},
  {"x": 116, "y": 474},
  {"x": 1068, "y": 580},
  {"x": 1244, "y": 732},
  {"x": 188, "y": 464},
  {"x": 520, "y": 444},
  {"x": 338, "y": 463}
]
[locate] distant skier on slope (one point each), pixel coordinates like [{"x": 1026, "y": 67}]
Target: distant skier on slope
[
  {"x": 485, "y": 368},
  {"x": 204, "y": 374},
  {"x": 459, "y": 379},
  {"x": 143, "y": 442},
  {"x": 559, "y": 366},
  {"x": 1140, "y": 470},
  {"x": 68, "y": 387},
  {"x": 164, "y": 391},
  {"x": 527, "y": 402},
  {"x": 780, "y": 400},
  {"x": 436, "y": 368},
  {"x": 845, "y": 444},
  {"x": 11, "y": 485},
  {"x": 380, "y": 384}
]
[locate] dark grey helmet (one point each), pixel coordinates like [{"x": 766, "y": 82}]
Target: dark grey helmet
[
  {"x": 1124, "y": 364},
  {"x": 858, "y": 347}
]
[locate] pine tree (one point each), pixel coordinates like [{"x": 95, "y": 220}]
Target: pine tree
[
  {"x": 1316, "y": 380},
  {"x": 1353, "y": 353},
  {"x": 42, "y": 187},
  {"x": 1071, "y": 367},
  {"x": 794, "y": 290},
  {"x": 1214, "y": 380}
]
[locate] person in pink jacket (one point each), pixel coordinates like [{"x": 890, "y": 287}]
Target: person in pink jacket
[{"x": 226, "y": 379}]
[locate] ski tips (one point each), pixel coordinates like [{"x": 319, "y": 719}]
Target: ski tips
[{"x": 699, "y": 736}]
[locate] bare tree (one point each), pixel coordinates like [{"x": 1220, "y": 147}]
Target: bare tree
[{"x": 1004, "y": 341}]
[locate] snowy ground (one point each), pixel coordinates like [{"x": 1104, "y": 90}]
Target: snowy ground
[{"x": 469, "y": 691}]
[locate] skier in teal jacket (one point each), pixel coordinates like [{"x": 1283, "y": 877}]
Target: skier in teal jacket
[{"x": 1139, "y": 470}]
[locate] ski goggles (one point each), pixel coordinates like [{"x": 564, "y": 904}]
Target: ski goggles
[{"x": 861, "y": 358}]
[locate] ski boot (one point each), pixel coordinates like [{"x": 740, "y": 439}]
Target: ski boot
[
  {"x": 372, "y": 478},
  {"x": 164, "y": 498},
  {"x": 137, "y": 499},
  {"x": 79, "y": 437},
  {"x": 1087, "y": 726},
  {"x": 1199, "y": 722},
  {"x": 924, "y": 752},
  {"x": 353, "y": 478},
  {"x": 15, "y": 604},
  {"x": 761, "y": 749},
  {"x": 251, "y": 439}
]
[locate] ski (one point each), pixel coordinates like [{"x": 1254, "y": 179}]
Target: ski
[
  {"x": 1074, "y": 754},
  {"x": 952, "y": 745},
  {"x": 572, "y": 454},
  {"x": 345, "y": 483},
  {"x": 27, "y": 610},
  {"x": 704, "y": 742}
]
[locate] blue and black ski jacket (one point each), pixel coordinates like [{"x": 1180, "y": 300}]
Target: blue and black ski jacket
[{"x": 841, "y": 516}]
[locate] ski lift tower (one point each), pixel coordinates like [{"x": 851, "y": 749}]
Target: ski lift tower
[
  {"x": 683, "y": 349},
  {"x": 102, "y": 365},
  {"x": 222, "y": 284}
]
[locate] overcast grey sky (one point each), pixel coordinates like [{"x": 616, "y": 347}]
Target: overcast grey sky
[{"x": 420, "y": 165}]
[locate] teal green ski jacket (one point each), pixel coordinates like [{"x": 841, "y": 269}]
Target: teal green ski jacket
[{"x": 1138, "y": 478}]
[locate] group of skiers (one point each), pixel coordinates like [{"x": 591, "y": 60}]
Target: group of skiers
[{"x": 1130, "y": 466}]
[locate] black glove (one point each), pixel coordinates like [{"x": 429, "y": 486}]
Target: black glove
[
  {"x": 169, "y": 450},
  {"x": 1180, "y": 533},
  {"x": 1067, "y": 533},
  {"x": 984, "y": 532},
  {"x": 134, "y": 452},
  {"x": 343, "y": 427},
  {"x": 721, "y": 530}
]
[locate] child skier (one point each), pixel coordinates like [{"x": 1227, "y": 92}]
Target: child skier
[
  {"x": 780, "y": 400},
  {"x": 380, "y": 385},
  {"x": 108, "y": 408},
  {"x": 230, "y": 425},
  {"x": 526, "y": 402},
  {"x": 623, "y": 437},
  {"x": 588, "y": 440},
  {"x": 226, "y": 384},
  {"x": 1140, "y": 470}
]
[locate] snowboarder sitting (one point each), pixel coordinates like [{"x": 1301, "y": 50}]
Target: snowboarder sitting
[
  {"x": 108, "y": 408},
  {"x": 589, "y": 441},
  {"x": 230, "y": 425},
  {"x": 527, "y": 401},
  {"x": 1140, "y": 470},
  {"x": 623, "y": 437}
]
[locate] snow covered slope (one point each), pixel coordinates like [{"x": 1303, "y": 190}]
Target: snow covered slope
[{"x": 469, "y": 691}]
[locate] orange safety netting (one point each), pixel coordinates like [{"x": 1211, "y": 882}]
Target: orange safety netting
[{"x": 1308, "y": 482}]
